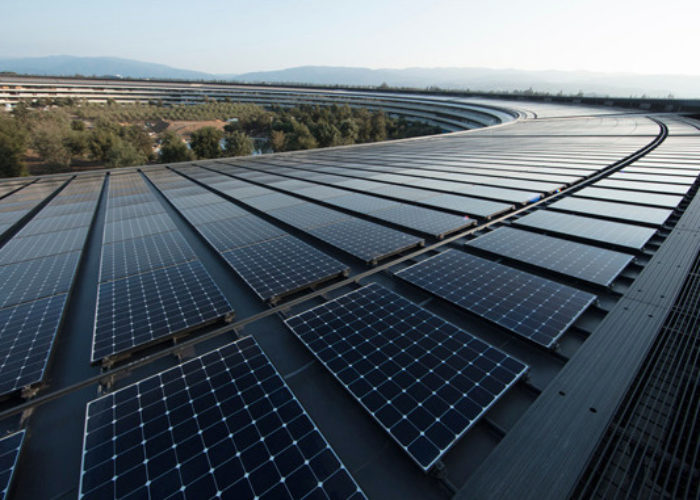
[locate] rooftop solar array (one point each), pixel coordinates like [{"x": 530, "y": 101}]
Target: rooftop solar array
[
  {"x": 588, "y": 228},
  {"x": 272, "y": 262},
  {"x": 635, "y": 197},
  {"x": 377, "y": 191},
  {"x": 152, "y": 285},
  {"x": 37, "y": 270},
  {"x": 10, "y": 448},
  {"x": 585, "y": 262},
  {"x": 363, "y": 239},
  {"x": 424, "y": 220},
  {"x": 222, "y": 425},
  {"x": 19, "y": 204},
  {"x": 425, "y": 381},
  {"x": 531, "y": 307}
]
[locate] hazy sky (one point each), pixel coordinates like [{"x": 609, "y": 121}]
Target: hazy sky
[{"x": 231, "y": 36}]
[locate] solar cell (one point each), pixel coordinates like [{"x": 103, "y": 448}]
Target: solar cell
[
  {"x": 10, "y": 448},
  {"x": 425, "y": 381},
  {"x": 222, "y": 425},
  {"x": 283, "y": 265},
  {"x": 365, "y": 240},
  {"x": 34, "y": 279},
  {"x": 616, "y": 233},
  {"x": 272, "y": 201},
  {"x": 139, "y": 309},
  {"x": 238, "y": 232},
  {"x": 27, "y": 333},
  {"x": 532, "y": 307},
  {"x": 136, "y": 255},
  {"x": 622, "y": 211},
  {"x": 135, "y": 210},
  {"x": 635, "y": 197},
  {"x": 585, "y": 262}
]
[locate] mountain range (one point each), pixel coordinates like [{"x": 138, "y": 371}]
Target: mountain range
[{"x": 477, "y": 79}]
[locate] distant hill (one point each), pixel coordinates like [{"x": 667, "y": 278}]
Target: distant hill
[
  {"x": 477, "y": 79},
  {"x": 96, "y": 66}
]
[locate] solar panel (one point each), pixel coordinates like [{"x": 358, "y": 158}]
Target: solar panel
[
  {"x": 209, "y": 213},
  {"x": 238, "y": 232},
  {"x": 362, "y": 202},
  {"x": 143, "y": 308},
  {"x": 276, "y": 267},
  {"x": 585, "y": 262},
  {"x": 622, "y": 211},
  {"x": 308, "y": 215},
  {"x": 464, "y": 205},
  {"x": 42, "y": 245},
  {"x": 137, "y": 227},
  {"x": 424, "y": 220},
  {"x": 135, "y": 210},
  {"x": 58, "y": 223},
  {"x": 616, "y": 233},
  {"x": 27, "y": 333},
  {"x": 34, "y": 279},
  {"x": 365, "y": 240},
  {"x": 222, "y": 425},
  {"x": 425, "y": 381},
  {"x": 653, "y": 187},
  {"x": 272, "y": 201},
  {"x": 635, "y": 197},
  {"x": 137, "y": 255},
  {"x": 534, "y": 308},
  {"x": 10, "y": 448}
]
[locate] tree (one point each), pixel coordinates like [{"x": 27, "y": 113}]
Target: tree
[
  {"x": 300, "y": 138},
  {"x": 327, "y": 134},
  {"x": 49, "y": 140},
  {"x": 172, "y": 149},
  {"x": 277, "y": 140},
  {"x": 205, "y": 142},
  {"x": 123, "y": 154},
  {"x": 238, "y": 144},
  {"x": 12, "y": 146}
]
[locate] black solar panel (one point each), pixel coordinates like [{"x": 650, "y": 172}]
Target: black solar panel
[
  {"x": 137, "y": 227},
  {"x": 42, "y": 245},
  {"x": 57, "y": 223},
  {"x": 622, "y": 211},
  {"x": 276, "y": 267},
  {"x": 616, "y": 233},
  {"x": 464, "y": 205},
  {"x": 136, "y": 210},
  {"x": 585, "y": 262},
  {"x": 136, "y": 255},
  {"x": 365, "y": 240},
  {"x": 308, "y": 215},
  {"x": 532, "y": 307},
  {"x": 424, "y": 220},
  {"x": 208, "y": 213},
  {"x": 634, "y": 197},
  {"x": 238, "y": 232},
  {"x": 223, "y": 425},
  {"x": 34, "y": 279},
  {"x": 425, "y": 381},
  {"x": 10, "y": 447},
  {"x": 143, "y": 308},
  {"x": 27, "y": 333},
  {"x": 362, "y": 202}
]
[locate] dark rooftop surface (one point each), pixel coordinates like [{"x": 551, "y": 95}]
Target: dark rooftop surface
[{"x": 460, "y": 315}]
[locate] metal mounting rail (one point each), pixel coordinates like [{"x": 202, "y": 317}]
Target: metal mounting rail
[{"x": 114, "y": 373}]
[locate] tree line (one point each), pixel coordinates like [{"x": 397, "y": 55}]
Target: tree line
[{"x": 64, "y": 133}]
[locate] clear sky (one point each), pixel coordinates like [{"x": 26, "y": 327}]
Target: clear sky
[{"x": 232, "y": 36}]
